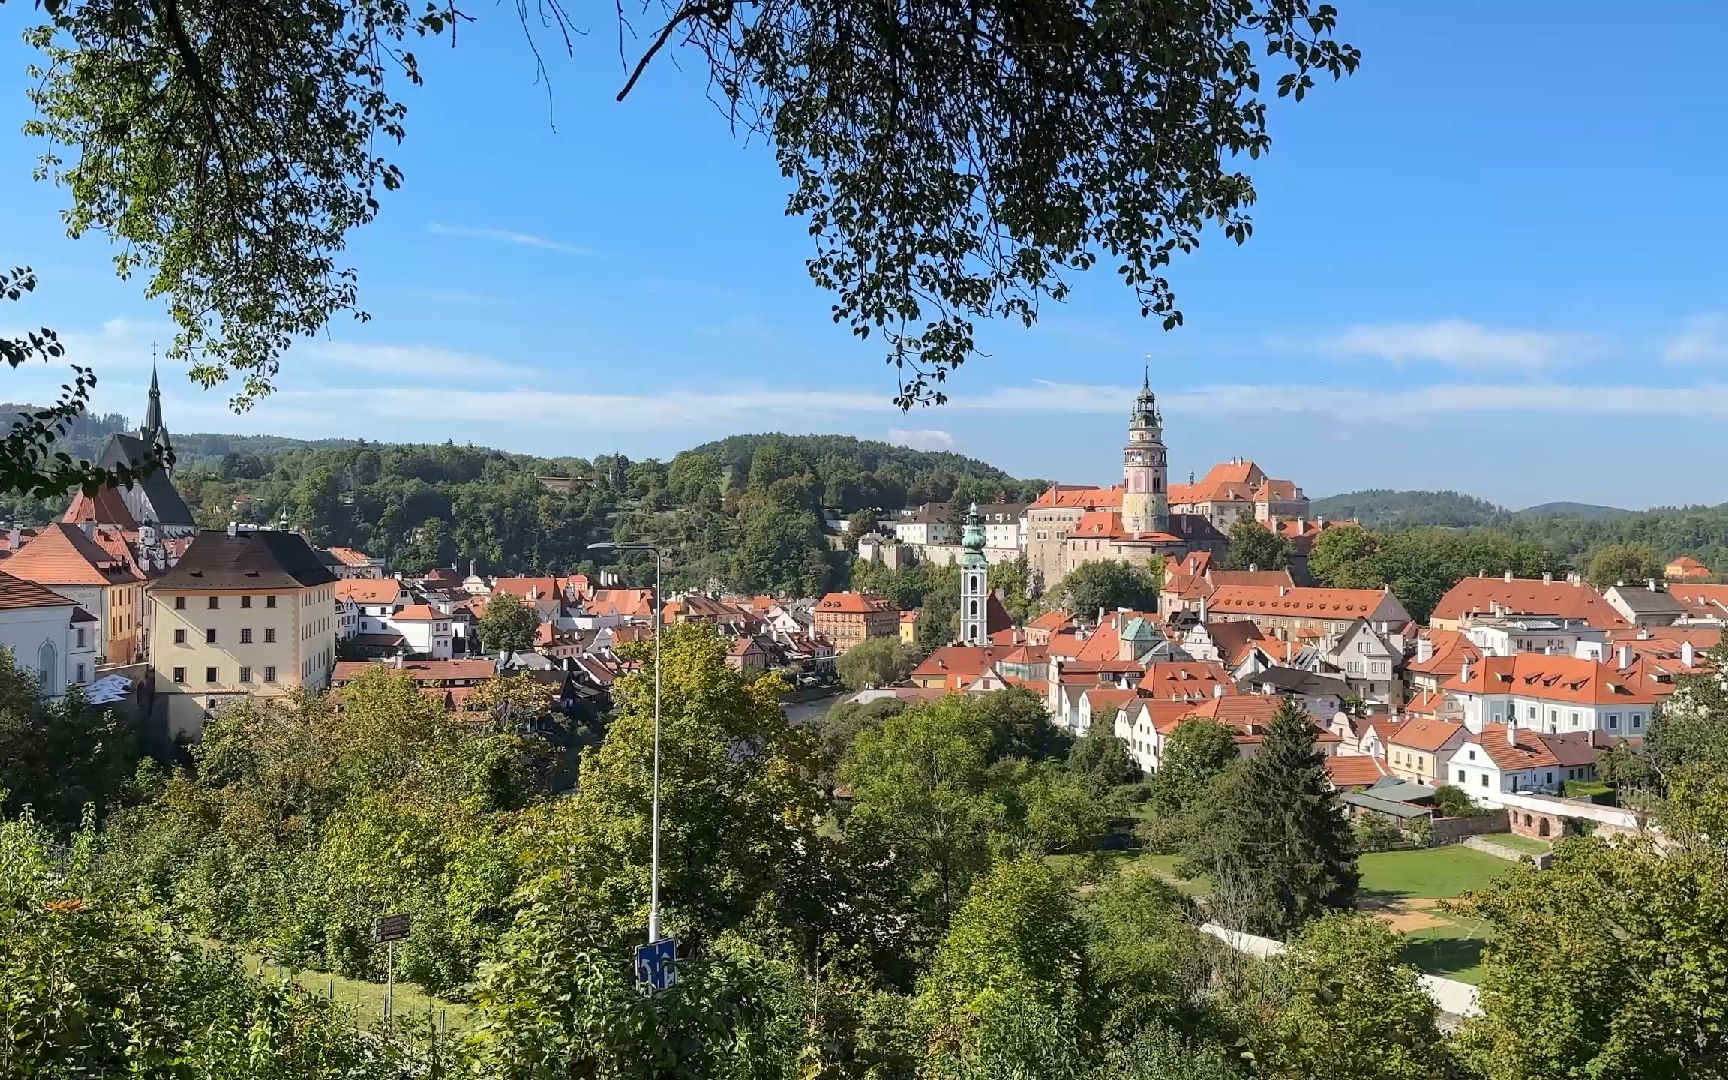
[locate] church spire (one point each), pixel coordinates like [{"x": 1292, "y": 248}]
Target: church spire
[{"x": 154, "y": 431}]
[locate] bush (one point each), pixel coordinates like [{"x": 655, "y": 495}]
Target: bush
[
  {"x": 1594, "y": 790},
  {"x": 1451, "y": 801},
  {"x": 1374, "y": 832}
]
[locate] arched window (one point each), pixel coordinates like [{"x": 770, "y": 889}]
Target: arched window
[
  {"x": 1542, "y": 827},
  {"x": 47, "y": 667},
  {"x": 972, "y": 609},
  {"x": 1157, "y": 484}
]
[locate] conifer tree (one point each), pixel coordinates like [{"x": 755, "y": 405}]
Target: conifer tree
[{"x": 1279, "y": 850}]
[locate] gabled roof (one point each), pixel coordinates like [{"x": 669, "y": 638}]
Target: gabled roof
[
  {"x": 1535, "y": 750},
  {"x": 17, "y": 593},
  {"x": 1426, "y": 734},
  {"x": 1078, "y": 496},
  {"x": 1298, "y": 603},
  {"x": 1562, "y": 679},
  {"x": 1643, "y": 600},
  {"x": 1354, "y": 770},
  {"x": 1053, "y": 620},
  {"x": 62, "y": 555},
  {"x": 350, "y": 557},
  {"x": 248, "y": 560},
  {"x": 417, "y": 613},
  {"x": 1701, "y": 600},
  {"x": 1190, "y": 681},
  {"x": 852, "y": 603},
  {"x": 368, "y": 590},
  {"x": 1232, "y": 639},
  {"x": 1291, "y": 680},
  {"x": 1451, "y": 650},
  {"x": 106, "y": 507},
  {"x": 1527, "y": 596}
]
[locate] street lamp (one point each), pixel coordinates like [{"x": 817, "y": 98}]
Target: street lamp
[{"x": 654, "y": 842}]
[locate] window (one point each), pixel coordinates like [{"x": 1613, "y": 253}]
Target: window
[
  {"x": 179, "y": 637},
  {"x": 269, "y": 601},
  {"x": 269, "y": 634},
  {"x": 215, "y": 602},
  {"x": 1550, "y": 779},
  {"x": 210, "y": 635},
  {"x": 1471, "y": 753},
  {"x": 1575, "y": 719},
  {"x": 1637, "y": 720},
  {"x": 1460, "y": 776},
  {"x": 1484, "y": 779},
  {"x": 1613, "y": 721},
  {"x": 1532, "y": 713},
  {"x": 209, "y": 674},
  {"x": 245, "y": 601},
  {"x": 246, "y": 636},
  {"x": 179, "y": 674},
  {"x": 81, "y": 673},
  {"x": 269, "y": 674},
  {"x": 47, "y": 666},
  {"x": 245, "y": 674},
  {"x": 209, "y": 704},
  {"x": 81, "y": 633}
]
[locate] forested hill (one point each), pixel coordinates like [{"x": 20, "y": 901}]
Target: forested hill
[
  {"x": 743, "y": 512},
  {"x": 1385, "y": 508}
]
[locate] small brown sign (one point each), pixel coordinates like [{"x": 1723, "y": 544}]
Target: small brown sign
[{"x": 390, "y": 928}]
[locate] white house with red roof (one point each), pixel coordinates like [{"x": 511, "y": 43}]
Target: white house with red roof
[
  {"x": 1553, "y": 695},
  {"x": 425, "y": 631},
  {"x": 1503, "y": 758},
  {"x": 1508, "y": 595}
]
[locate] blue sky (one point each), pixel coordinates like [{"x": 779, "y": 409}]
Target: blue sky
[{"x": 1491, "y": 261}]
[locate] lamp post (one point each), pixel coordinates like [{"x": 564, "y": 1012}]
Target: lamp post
[{"x": 654, "y": 841}]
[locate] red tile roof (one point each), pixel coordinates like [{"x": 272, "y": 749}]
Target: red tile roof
[
  {"x": 1079, "y": 496},
  {"x": 1052, "y": 620},
  {"x": 18, "y": 593},
  {"x": 1354, "y": 770},
  {"x": 1534, "y": 750},
  {"x": 1527, "y": 596},
  {"x": 350, "y": 557},
  {"x": 1426, "y": 734},
  {"x": 1565, "y": 679},
  {"x": 1298, "y": 602},
  {"x": 368, "y": 590},
  {"x": 1186, "y": 681},
  {"x": 1451, "y": 649},
  {"x": 1701, "y": 601},
  {"x": 852, "y": 603},
  {"x": 418, "y": 613},
  {"x": 62, "y": 555}
]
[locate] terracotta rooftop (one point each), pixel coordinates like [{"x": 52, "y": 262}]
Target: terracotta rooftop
[
  {"x": 1426, "y": 734},
  {"x": 1078, "y": 497},
  {"x": 1298, "y": 602},
  {"x": 62, "y": 555},
  {"x": 1354, "y": 770},
  {"x": 1527, "y": 596},
  {"x": 18, "y": 593},
  {"x": 1566, "y": 679},
  {"x": 418, "y": 613},
  {"x": 368, "y": 590},
  {"x": 852, "y": 603}
]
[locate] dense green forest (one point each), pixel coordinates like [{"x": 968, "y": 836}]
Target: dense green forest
[{"x": 745, "y": 512}]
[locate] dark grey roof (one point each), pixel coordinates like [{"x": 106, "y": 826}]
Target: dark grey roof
[
  {"x": 151, "y": 498},
  {"x": 1196, "y": 528},
  {"x": 1383, "y": 806},
  {"x": 1643, "y": 601},
  {"x": 249, "y": 560},
  {"x": 1296, "y": 681}
]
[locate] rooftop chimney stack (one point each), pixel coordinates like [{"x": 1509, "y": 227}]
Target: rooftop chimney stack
[
  {"x": 1508, "y": 577},
  {"x": 1511, "y": 733},
  {"x": 1686, "y": 653},
  {"x": 1547, "y": 578},
  {"x": 1465, "y": 670},
  {"x": 1625, "y": 657},
  {"x": 1424, "y": 650}
]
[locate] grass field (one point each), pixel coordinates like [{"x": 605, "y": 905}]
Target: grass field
[
  {"x": 1428, "y": 873},
  {"x": 1452, "y": 949},
  {"x": 366, "y": 998},
  {"x": 1529, "y": 845}
]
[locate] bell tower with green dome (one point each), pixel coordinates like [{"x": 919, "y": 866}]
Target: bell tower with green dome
[
  {"x": 1145, "y": 487},
  {"x": 974, "y": 583}
]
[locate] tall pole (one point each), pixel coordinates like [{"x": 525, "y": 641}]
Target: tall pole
[{"x": 654, "y": 848}]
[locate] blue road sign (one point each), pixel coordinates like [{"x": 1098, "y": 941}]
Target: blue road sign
[{"x": 657, "y": 964}]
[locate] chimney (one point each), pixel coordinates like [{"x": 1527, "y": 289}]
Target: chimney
[
  {"x": 1301, "y": 526},
  {"x": 397, "y": 662},
  {"x": 1508, "y": 577},
  {"x": 1424, "y": 650},
  {"x": 1283, "y": 590},
  {"x": 1100, "y": 623},
  {"x": 1625, "y": 656},
  {"x": 470, "y": 567},
  {"x": 15, "y": 538},
  {"x": 1650, "y": 583},
  {"x": 1686, "y": 653},
  {"x": 1511, "y": 733},
  {"x": 1575, "y": 579},
  {"x": 1253, "y": 568},
  {"x": 1217, "y": 690},
  {"x": 1319, "y": 522},
  {"x": 1547, "y": 578},
  {"x": 1202, "y": 608},
  {"x": 1465, "y": 671}
]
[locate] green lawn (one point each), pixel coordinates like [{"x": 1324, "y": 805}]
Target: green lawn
[
  {"x": 1452, "y": 950},
  {"x": 1428, "y": 873},
  {"x": 1529, "y": 845},
  {"x": 367, "y": 998}
]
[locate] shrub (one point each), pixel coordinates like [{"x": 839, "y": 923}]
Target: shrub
[{"x": 1374, "y": 832}]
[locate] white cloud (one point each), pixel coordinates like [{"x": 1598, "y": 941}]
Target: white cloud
[
  {"x": 508, "y": 236},
  {"x": 922, "y": 438},
  {"x": 1457, "y": 343},
  {"x": 424, "y": 361},
  {"x": 1705, "y": 340}
]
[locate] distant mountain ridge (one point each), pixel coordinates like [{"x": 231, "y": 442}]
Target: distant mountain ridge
[{"x": 1389, "y": 508}]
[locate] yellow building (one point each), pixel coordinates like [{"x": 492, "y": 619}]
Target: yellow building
[{"x": 244, "y": 613}]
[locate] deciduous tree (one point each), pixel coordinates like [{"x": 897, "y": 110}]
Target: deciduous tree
[
  {"x": 1254, "y": 546},
  {"x": 875, "y": 662},
  {"x": 1109, "y": 584},
  {"x": 1629, "y": 564},
  {"x": 508, "y": 625}
]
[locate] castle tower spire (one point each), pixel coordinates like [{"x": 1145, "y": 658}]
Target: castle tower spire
[
  {"x": 974, "y": 583},
  {"x": 154, "y": 430},
  {"x": 1145, "y": 495}
]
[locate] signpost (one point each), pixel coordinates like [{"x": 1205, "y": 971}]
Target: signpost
[
  {"x": 387, "y": 931},
  {"x": 657, "y": 965}
]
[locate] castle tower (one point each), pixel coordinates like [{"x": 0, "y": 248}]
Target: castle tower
[
  {"x": 974, "y": 583},
  {"x": 1145, "y": 494}
]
